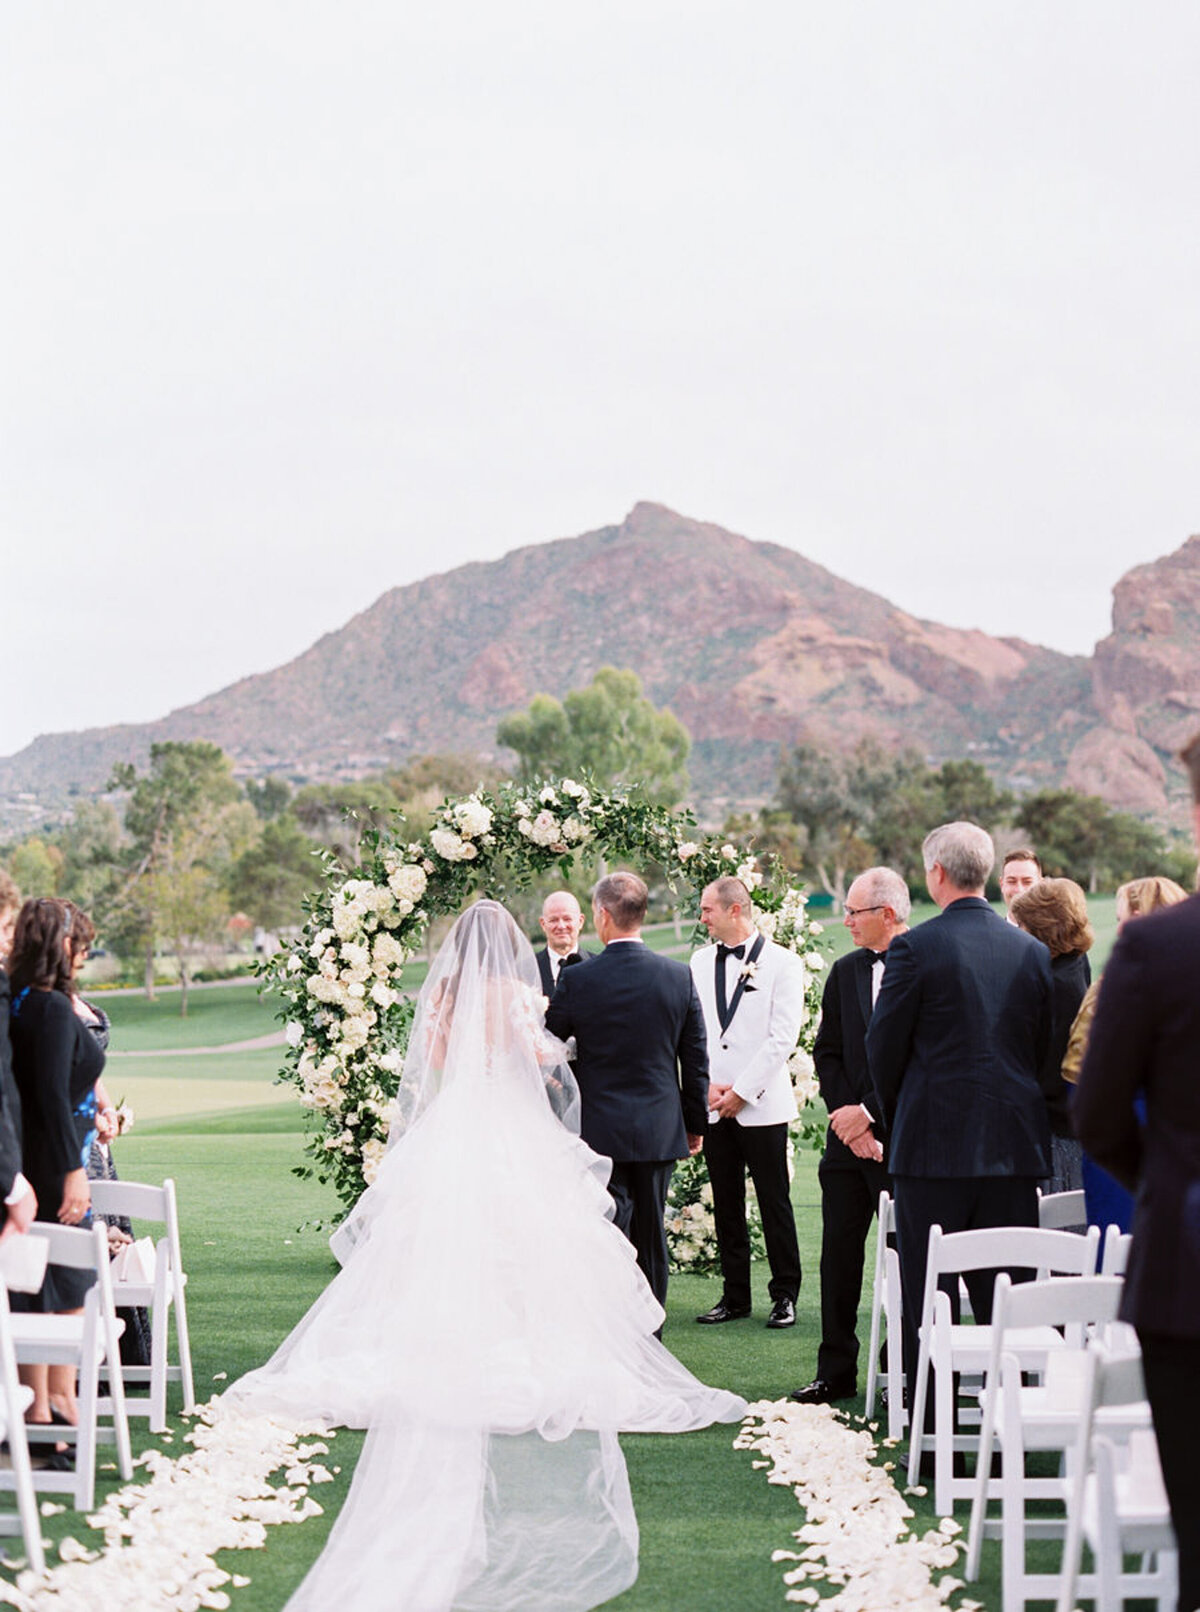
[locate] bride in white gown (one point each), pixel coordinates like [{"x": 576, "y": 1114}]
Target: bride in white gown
[{"x": 491, "y": 1327}]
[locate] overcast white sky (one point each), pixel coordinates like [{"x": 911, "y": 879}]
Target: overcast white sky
[{"x": 301, "y": 301}]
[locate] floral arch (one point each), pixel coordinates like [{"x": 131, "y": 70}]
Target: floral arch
[{"x": 348, "y": 1020}]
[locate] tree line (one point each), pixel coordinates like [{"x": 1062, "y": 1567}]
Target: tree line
[
  {"x": 182, "y": 855},
  {"x": 834, "y": 814}
]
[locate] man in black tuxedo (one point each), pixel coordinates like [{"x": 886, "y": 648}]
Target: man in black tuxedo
[
  {"x": 955, "y": 1047},
  {"x": 852, "y": 1175},
  {"x": 1145, "y": 1038},
  {"x": 641, "y": 1063},
  {"x": 562, "y": 923}
]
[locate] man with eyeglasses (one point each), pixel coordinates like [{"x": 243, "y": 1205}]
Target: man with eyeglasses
[{"x": 852, "y": 1173}]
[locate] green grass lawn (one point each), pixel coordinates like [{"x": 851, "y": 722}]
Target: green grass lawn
[
  {"x": 216, "y": 1016},
  {"x": 230, "y": 1138}
]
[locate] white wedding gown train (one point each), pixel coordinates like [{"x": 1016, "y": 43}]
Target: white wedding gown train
[{"x": 491, "y": 1329}]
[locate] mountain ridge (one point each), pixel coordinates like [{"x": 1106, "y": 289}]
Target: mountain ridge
[{"x": 752, "y": 645}]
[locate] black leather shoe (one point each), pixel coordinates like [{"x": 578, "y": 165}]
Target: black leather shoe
[
  {"x": 821, "y": 1392},
  {"x": 783, "y": 1314},
  {"x": 723, "y": 1312}
]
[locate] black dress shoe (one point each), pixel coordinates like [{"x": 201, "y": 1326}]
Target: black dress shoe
[
  {"x": 723, "y": 1312},
  {"x": 822, "y": 1392},
  {"x": 783, "y": 1314}
]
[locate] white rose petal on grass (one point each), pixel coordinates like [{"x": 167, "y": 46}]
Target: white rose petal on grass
[{"x": 858, "y": 1530}]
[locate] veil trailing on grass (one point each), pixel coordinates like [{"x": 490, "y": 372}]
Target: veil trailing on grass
[{"x": 491, "y": 1327}]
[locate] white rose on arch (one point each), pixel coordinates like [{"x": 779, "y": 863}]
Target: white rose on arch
[{"x": 472, "y": 817}]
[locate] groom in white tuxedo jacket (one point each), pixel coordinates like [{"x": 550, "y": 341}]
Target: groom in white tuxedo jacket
[{"x": 752, "y": 993}]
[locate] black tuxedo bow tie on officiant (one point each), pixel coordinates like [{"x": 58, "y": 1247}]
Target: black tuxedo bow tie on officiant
[
  {"x": 571, "y": 957},
  {"x": 724, "y": 951}
]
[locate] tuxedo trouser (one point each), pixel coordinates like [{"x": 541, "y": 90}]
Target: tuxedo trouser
[
  {"x": 850, "y": 1191},
  {"x": 1171, "y": 1367},
  {"x": 639, "y": 1191},
  {"x": 955, "y": 1203},
  {"x": 730, "y": 1150}
]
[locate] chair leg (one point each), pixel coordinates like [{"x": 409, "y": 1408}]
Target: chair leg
[
  {"x": 185, "y": 1347},
  {"x": 943, "y": 1437},
  {"x": 159, "y": 1323},
  {"x": 916, "y": 1411},
  {"x": 894, "y": 1315},
  {"x": 27, "y": 1509},
  {"x": 877, "y": 1304},
  {"x": 85, "y": 1441},
  {"x": 979, "y": 1501}
]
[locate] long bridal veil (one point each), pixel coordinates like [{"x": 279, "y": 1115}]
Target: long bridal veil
[{"x": 490, "y": 1327}]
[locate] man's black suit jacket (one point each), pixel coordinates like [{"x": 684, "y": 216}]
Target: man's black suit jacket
[
  {"x": 956, "y": 1047},
  {"x": 840, "y": 1050},
  {"x": 1145, "y": 1038},
  {"x": 642, "y": 1051},
  {"x": 10, "y": 1102},
  {"x": 543, "y": 962}
]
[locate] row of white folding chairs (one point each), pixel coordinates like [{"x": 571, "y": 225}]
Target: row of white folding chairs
[
  {"x": 1090, "y": 1411},
  {"x": 1055, "y": 1211},
  {"x": 82, "y": 1342},
  {"x": 90, "y": 1341},
  {"x": 948, "y": 1347}
]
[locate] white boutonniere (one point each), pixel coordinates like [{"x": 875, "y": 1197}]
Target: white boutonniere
[{"x": 748, "y": 975}]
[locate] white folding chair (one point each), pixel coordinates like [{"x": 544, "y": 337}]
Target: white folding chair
[
  {"x": 1022, "y": 1419},
  {"x": 886, "y": 1307},
  {"x": 1061, "y": 1211},
  {"x": 83, "y": 1341},
  {"x": 1118, "y": 1505},
  {"x": 951, "y": 1347},
  {"x": 165, "y": 1292},
  {"x": 1114, "y": 1257},
  {"x": 18, "y": 1476}
]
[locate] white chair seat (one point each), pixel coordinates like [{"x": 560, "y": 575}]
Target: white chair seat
[
  {"x": 54, "y": 1340},
  {"x": 972, "y": 1346}
]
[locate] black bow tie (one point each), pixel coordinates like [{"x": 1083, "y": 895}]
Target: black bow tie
[
  {"x": 571, "y": 957},
  {"x": 876, "y": 957},
  {"x": 730, "y": 951}
]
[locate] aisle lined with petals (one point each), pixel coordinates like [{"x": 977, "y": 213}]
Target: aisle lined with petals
[
  {"x": 856, "y": 1536},
  {"x": 161, "y": 1536}
]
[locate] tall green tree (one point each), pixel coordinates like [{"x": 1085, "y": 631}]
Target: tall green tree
[
  {"x": 187, "y": 824},
  {"x": 608, "y": 729},
  {"x": 36, "y": 865},
  {"x": 1081, "y": 837},
  {"x": 834, "y": 798},
  {"x": 337, "y": 815},
  {"x": 271, "y": 878}
]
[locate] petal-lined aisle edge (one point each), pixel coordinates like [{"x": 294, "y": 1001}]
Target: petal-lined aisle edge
[
  {"x": 857, "y": 1534},
  {"x": 160, "y": 1537}
]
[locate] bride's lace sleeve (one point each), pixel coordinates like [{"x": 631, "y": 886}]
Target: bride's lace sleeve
[{"x": 528, "y": 1012}]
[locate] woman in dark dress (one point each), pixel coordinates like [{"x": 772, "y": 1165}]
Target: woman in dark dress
[
  {"x": 57, "y": 1062},
  {"x": 1055, "y": 912},
  {"x": 1108, "y": 1202}
]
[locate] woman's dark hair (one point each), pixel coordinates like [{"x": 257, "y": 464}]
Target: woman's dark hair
[
  {"x": 40, "y": 955},
  {"x": 82, "y": 932}
]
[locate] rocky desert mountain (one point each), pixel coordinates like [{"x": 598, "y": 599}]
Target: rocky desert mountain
[{"x": 751, "y": 645}]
